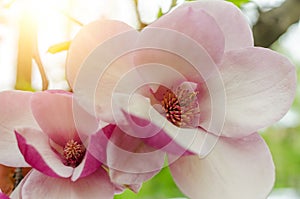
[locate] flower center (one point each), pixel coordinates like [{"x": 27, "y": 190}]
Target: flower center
[
  {"x": 181, "y": 107},
  {"x": 73, "y": 153}
]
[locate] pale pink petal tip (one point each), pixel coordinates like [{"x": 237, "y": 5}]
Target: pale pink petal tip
[
  {"x": 34, "y": 146},
  {"x": 235, "y": 168}
]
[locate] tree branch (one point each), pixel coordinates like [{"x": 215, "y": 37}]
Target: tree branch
[
  {"x": 27, "y": 36},
  {"x": 141, "y": 24},
  {"x": 28, "y": 51},
  {"x": 274, "y": 23}
]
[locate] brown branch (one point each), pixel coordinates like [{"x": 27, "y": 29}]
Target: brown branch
[
  {"x": 138, "y": 16},
  {"x": 274, "y": 23},
  {"x": 27, "y": 52},
  {"x": 27, "y": 36},
  {"x": 36, "y": 57}
]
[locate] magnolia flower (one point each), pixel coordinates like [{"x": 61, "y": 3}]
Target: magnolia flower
[
  {"x": 3, "y": 196},
  {"x": 191, "y": 84},
  {"x": 38, "y": 130}
]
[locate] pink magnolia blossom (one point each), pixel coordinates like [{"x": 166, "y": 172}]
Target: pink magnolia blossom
[
  {"x": 3, "y": 196},
  {"x": 191, "y": 84},
  {"x": 38, "y": 130}
]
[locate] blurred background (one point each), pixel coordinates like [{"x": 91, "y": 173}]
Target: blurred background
[{"x": 35, "y": 36}]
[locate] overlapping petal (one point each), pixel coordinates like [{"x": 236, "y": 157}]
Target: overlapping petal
[
  {"x": 38, "y": 185},
  {"x": 171, "y": 58},
  {"x": 112, "y": 41},
  {"x": 143, "y": 121},
  {"x": 39, "y": 125},
  {"x": 236, "y": 168},
  {"x": 260, "y": 86},
  {"x": 35, "y": 148},
  {"x": 230, "y": 19},
  {"x": 199, "y": 44},
  {"x": 15, "y": 112},
  {"x": 88, "y": 38},
  {"x": 88, "y": 165},
  {"x": 95, "y": 153},
  {"x": 54, "y": 114},
  {"x": 130, "y": 160},
  {"x": 195, "y": 23}
]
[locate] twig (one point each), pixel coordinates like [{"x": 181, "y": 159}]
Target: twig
[
  {"x": 36, "y": 57},
  {"x": 141, "y": 24},
  {"x": 274, "y": 23}
]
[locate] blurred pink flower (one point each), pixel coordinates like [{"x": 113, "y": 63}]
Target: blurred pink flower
[
  {"x": 3, "y": 196},
  {"x": 191, "y": 84},
  {"x": 40, "y": 130}
]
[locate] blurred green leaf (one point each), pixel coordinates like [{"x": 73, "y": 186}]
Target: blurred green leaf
[
  {"x": 59, "y": 47},
  {"x": 285, "y": 148},
  {"x": 239, "y": 2},
  {"x": 236, "y": 2},
  {"x": 160, "y": 13}
]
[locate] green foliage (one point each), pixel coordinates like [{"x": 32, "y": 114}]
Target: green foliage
[
  {"x": 160, "y": 187},
  {"x": 59, "y": 47},
  {"x": 284, "y": 142},
  {"x": 236, "y": 2},
  {"x": 239, "y": 3},
  {"x": 285, "y": 148},
  {"x": 160, "y": 13}
]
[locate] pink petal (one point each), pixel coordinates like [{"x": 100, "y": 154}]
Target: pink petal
[
  {"x": 88, "y": 38},
  {"x": 85, "y": 123},
  {"x": 54, "y": 114},
  {"x": 95, "y": 153},
  {"x": 110, "y": 60},
  {"x": 260, "y": 86},
  {"x": 34, "y": 146},
  {"x": 14, "y": 112},
  {"x": 230, "y": 19},
  {"x": 170, "y": 59},
  {"x": 133, "y": 187},
  {"x": 88, "y": 166},
  {"x": 130, "y": 161},
  {"x": 3, "y": 196},
  {"x": 196, "y": 24},
  {"x": 236, "y": 168},
  {"x": 62, "y": 92},
  {"x": 139, "y": 119},
  {"x": 94, "y": 186},
  {"x": 98, "y": 143}
]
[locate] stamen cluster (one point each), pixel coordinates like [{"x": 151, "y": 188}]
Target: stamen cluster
[
  {"x": 73, "y": 153},
  {"x": 181, "y": 107}
]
